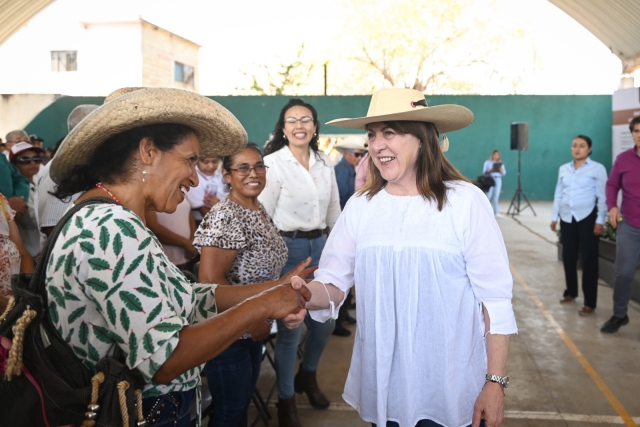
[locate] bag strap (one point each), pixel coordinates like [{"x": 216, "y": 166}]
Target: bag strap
[{"x": 37, "y": 283}]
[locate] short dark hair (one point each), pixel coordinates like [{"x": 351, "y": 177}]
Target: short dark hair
[
  {"x": 111, "y": 161},
  {"x": 635, "y": 121},
  {"x": 278, "y": 140},
  {"x": 227, "y": 161},
  {"x": 433, "y": 169},
  {"x": 586, "y": 139}
]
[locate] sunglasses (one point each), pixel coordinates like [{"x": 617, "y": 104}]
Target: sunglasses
[
  {"x": 27, "y": 160},
  {"x": 355, "y": 153}
]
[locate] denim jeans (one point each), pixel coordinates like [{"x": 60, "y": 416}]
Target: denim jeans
[
  {"x": 494, "y": 194},
  {"x": 232, "y": 378},
  {"x": 627, "y": 257},
  {"x": 422, "y": 423},
  {"x": 289, "y": 339},
  {"x": 171, "y": 409}
]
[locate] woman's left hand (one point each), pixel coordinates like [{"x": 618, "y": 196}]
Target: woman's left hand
[
  {"x": 598, "y": 229},
  {"x": 292, "y": 321},
  {"x": 489, "y": 406},
  {"x": 260, "y": 331}
]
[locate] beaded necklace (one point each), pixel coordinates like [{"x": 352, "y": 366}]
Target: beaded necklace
[{"x": 103, "y": 188}]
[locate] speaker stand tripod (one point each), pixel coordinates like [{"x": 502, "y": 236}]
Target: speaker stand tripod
[{"x": 515, "y": 206}]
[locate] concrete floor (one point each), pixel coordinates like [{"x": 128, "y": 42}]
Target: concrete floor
[{"x": 563, "y": 371}]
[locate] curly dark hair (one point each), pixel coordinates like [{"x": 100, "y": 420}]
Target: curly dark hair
[
  {"x": 278, "y": 140},
  {"x": 111, "y": 162}
]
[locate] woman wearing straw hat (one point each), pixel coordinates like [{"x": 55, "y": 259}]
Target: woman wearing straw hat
[
  {"x": 423, "y": 249},
  {"x": 115, "y": 285}
]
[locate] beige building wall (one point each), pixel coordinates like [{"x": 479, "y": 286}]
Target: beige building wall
[{"x": 160, "y": 50}]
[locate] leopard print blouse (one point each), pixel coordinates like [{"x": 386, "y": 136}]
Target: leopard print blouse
[{"x": 262, "y": 252}]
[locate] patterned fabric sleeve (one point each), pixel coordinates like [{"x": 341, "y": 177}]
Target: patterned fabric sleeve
[
  {"x": 221, "y": 228},
  {"x": 110, "y": 282}
]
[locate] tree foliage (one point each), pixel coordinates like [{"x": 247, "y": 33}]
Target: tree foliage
[
  {"x": 287, "y": 78},
  {"x": 444, "y": 46}
]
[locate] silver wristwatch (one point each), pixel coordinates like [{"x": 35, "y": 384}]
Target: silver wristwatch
[{"x": 503, "y": 381}]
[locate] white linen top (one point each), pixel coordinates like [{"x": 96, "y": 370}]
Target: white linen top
[
  {"x": 297, "y": 198},
  {"x": 214, "y": 184},
  {"x": 421, "y": 277}
]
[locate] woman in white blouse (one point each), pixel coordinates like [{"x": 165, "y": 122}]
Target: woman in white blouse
[
  {"x": 422, "y": 247},
  {"x": 302, "y": 197}
]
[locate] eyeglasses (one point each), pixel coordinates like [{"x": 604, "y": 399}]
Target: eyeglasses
[
  {"x": 355, "y": 153},
  {"x": 27, "y": 160},
  {"x": 245, "y": 170},
  {"x": 304, "y": 120}
]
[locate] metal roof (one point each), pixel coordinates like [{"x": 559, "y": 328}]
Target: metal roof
[
  {"x": 615, "y": 22},
  {"x": 16, "y": 13}
]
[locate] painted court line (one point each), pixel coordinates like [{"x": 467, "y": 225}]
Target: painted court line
[{"x": 608, "y": 394}]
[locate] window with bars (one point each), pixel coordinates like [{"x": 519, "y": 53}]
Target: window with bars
[
  {"x": 184, "y": 73},
  {"x": 64, "y": 60}
]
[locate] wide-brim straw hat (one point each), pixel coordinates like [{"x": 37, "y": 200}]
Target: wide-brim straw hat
[
  {"x": 409, "y": 105},
  {"x": 219, "y": 132},
  {"x": 351, "y": 143}
]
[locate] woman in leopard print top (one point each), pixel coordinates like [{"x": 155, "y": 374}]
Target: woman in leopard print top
[{"x": 240, "y": 245}]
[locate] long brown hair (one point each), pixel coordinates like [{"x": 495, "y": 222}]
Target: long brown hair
[{"x": 433, "y": 169}]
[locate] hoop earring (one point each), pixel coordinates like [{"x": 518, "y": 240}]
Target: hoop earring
[{"x": 144, "y": 174}]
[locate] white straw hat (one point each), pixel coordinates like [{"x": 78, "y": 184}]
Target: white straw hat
[
  {"x": 219, "y": 132},
  {"x": 409, "y": 105},
  {"x": 351, "y": 143}
]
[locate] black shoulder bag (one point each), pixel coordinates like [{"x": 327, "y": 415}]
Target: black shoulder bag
[{"x": 44, "y": 383}]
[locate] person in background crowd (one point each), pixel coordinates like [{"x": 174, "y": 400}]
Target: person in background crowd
[
  {"x": 27, "y": 160},
  {"x": 580, "y": 204},
  {"x": 35, "y": 140},
  {"x": 210, "y": 189},
  {"x": 175, "y": 231},
  {"x": 14, "y": 137},
  {"x": 353, "y": 150},
  {"x": 50, "y": 209},
  {"x": 14, "y": 257},
  {"x": 301, "y": 195},
  {"x": 496, "y": 173},
  {"x": 3, "y": 147},
  {"x": 14, "y": 186},
  {"x": 240, "y": 245},
  {"x": 140, "y": 149},
  {"x": 362, "y": 171},
  {"x": 421, "y": 245},
  {"x": 625, "y": 176}
]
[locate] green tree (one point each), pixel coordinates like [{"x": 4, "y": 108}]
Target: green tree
[
  {"x": 444, "y": 46},
  {"x": 287, "y": 78}
]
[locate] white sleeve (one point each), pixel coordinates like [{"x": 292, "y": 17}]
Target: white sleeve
[
  {"x": 486, "y": 260},
  {"x": 337, "y": 263},
  {"x": 333, "y": 210},
  {"x": 271, "y": 193}
]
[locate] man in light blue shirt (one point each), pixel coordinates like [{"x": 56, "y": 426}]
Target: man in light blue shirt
[{"x": 580, "y": 205}]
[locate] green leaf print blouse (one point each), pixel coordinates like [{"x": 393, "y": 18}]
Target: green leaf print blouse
[{"x": 109, "y": 282}]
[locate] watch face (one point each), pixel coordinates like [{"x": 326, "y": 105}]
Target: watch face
[{"x": 506, "y": 381}]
